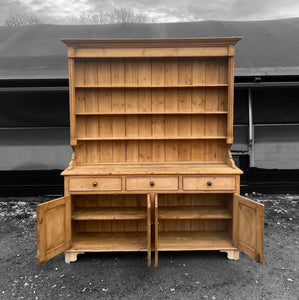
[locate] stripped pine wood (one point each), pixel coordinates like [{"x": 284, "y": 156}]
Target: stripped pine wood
[
  {"x": 91, "y": 123},
  {"x": 103, "y": 72},
  {"x": 184, "y": 104},
  {"x": 189, "y": 225},
  {"x": 171, "y": 104},
  {"x": 158, "y": 72},
  {"x": 222, "y": 99},
  {"x": 194, "y": 212},
  {"x": 131, "y": 105},
  {"x": 80, "y": 101},
  {"x": 144, "y": 72},
  {"x": 131, "y": 72},
  {"x": 104, "y": 100},
  {"x": 199, "y": 71},
  {"x": 194, "y": 240},
  {"x": 158, "y": 130},
  {"x": 230, "y": 96},
  {"x": 211, "y": 122},
  {"x": 145, "y": 100},
  {"x": 53, "y": 230},
  {"x": 151, "y": 127},
  {"x": 109, "y": 242},
  {"x": 223, "y": 73},
  {"x": 118, "y": 105},
  {"x": 115, "y": 213},
  {"x": 212, "y": 71},
  {"x": 149, "y": 226},
  {"x": 79, "y": 72}
]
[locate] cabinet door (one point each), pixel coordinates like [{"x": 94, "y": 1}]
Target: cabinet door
[
  {"x": 149, "y": 235},
  {"x": 249, "y": 227},
  {"x": 53, "y": 228}
]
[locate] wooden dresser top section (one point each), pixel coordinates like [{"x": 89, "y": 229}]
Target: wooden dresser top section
[
  {"x": 151, "y": 106},
  {"x": 192, "y": 47}
]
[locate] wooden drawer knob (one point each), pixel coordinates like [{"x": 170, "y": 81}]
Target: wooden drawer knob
[
  {"x": 95, "y": 184},
  {"x": 209, "y": 183},
  {"x": 152, "y": 183}
]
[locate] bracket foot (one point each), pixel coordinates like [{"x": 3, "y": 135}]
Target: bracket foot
[
  {"x": 71, "y": 256},
  {"x": 232, "y": 254}
]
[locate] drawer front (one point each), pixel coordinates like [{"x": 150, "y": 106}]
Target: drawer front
[
  {"x": 95, "y": 184},
  {"x": 152, "y": 183},
  {"x": 206, "y": 183}
]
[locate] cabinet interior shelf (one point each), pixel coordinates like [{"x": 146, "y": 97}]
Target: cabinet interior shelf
[
  {"x": 133, "y": 138},
  {"x": 153, "y": 113},
  {"x": 111, "y": 241},
  {"x": 109, "y": 213},
  {"x": 123, "y": 86},
  {"x": 194, "y": 240},
  {"x": 194, "y": 212}
]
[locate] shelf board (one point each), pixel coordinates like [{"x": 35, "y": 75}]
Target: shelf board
[
  {"x": 153, "y": 113},
  {"x": 152, "y": 86},
  {"x": 194, "y": 212},
  {"x": 194, "y": 240},
  {"x": 109, "y": 242},
  {"x": 109, "y": 213},
  {"x": 154, "y": 168},
  {"x": 145, "y": 138}
]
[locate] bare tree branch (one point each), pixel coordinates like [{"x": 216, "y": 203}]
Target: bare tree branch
[
  {"x": 21, "y": 19},
  {"x": 121, "y": 15}
]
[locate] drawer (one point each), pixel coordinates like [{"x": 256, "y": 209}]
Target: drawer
[
  {"x": 206, "y": 183},
  {"x": 95, "y": 184},
  {"x": 152, "y": 183}
]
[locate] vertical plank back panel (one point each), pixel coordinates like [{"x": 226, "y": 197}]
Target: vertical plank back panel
[
  {"x": 91, "y": 105},
  {"x": 171, "y": 105},
  {"x": 131, "y": 72},
  {"x": 146, "y": 72},
  {"x": 158, "y": 79},
  {"x": 145, "y": 105},
  {"x": 158, "y": 105},
  {"x": 158, "y": 72},
  {"x": 198, "y": 71},
  {"x": 185, "y": 77},
  {"x": 131, "y": 105},
  {"x": 212, "y": 71},
  {"x": 104, "y": 72}
]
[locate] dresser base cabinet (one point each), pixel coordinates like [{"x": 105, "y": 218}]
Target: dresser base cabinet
[{"x": 114, "y": 223}]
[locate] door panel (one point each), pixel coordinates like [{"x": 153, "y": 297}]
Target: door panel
[
  {"x": 156, "y": 230},
  {"x": 249, "y": 227},
  {"x": 149, "y": 235},
  {"x": 53, "y": 228}
]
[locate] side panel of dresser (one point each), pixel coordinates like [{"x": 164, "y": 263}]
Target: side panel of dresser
[{"x": 53, "y": 228}]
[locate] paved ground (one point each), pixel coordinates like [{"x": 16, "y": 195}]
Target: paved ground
[{"x": 184, "y": 275}]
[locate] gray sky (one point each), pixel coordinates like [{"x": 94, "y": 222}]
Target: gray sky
[{"x": 160, "y": 10}]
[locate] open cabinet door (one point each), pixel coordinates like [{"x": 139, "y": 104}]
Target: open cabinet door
[
  {"x": 156, "y": 230},
  {"x": 149, "y": 235},
  {"x": 249, "y": 227},
  {"x": 53, "y": 228}
]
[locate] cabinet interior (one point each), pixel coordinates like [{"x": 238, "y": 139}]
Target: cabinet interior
[
  {"x": 122, "y": 222},
  {"x": 194, "y": 221},
  {"x": 110, "y": 222},
  {"x": 151, "y": 109}
]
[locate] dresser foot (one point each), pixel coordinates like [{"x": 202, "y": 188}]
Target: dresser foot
[
  {"x": 232, "y": 254},
  {"x": 71, "y": 256}
]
